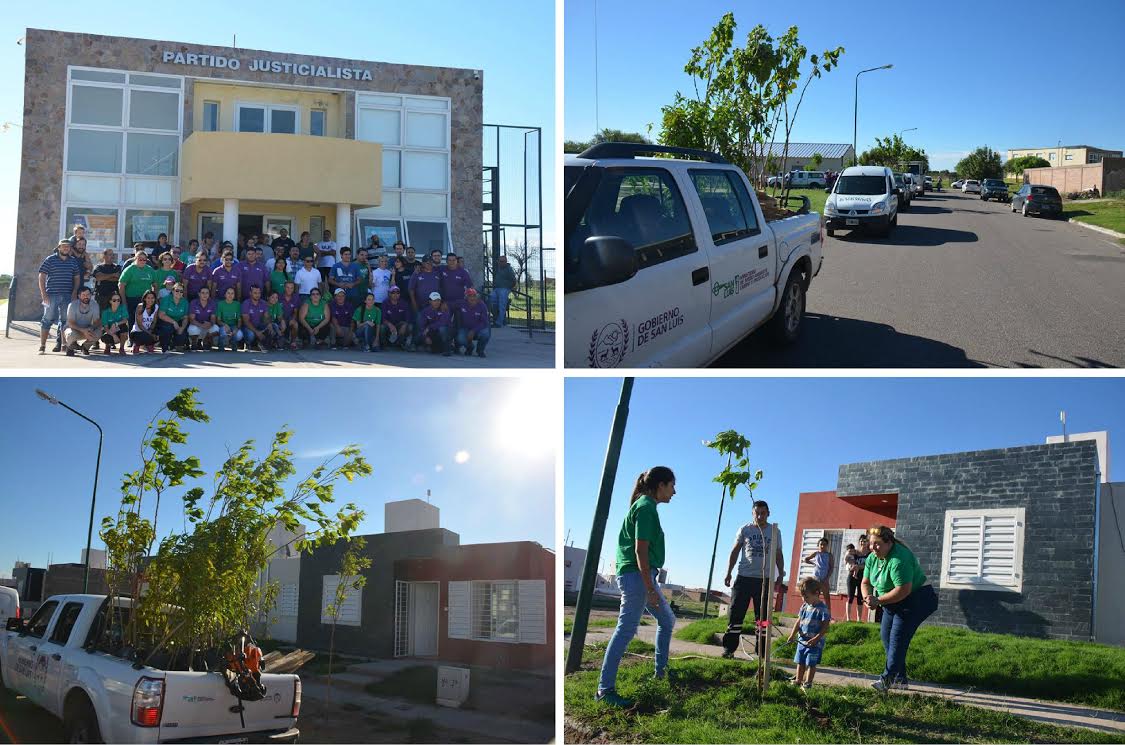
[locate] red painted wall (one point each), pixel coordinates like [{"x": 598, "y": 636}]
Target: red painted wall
[
  {"x": 487, "y": 561},
  {"x": 823, "y": 509}
]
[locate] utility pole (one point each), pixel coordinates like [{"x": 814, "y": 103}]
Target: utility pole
[{"x": 597, "y": 531}]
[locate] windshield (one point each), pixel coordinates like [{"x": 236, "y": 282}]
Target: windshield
[
  {"x": 995, "y": 182},
  {"x": 861, "y": 185}
]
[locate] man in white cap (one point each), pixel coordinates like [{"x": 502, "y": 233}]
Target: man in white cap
[
  {"x": 341, "y": 312},
  {"x": 435, "y": 326}
]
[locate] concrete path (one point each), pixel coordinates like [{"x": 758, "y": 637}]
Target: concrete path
[
  {"x": 1048, "y": 712},
  {"x": 509, "y": 348}
]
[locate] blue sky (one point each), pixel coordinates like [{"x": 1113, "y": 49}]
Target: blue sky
[
  {"x": 965, "y": 73},
  {"x": 514, "y": 43},
  {"x": 801, "y": 431},
  {"x": 411, "y": 432}
]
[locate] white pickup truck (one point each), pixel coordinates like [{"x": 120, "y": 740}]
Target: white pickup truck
[
  {"x": 671, "y": 262},
  {"x": 54, "y": 658}
]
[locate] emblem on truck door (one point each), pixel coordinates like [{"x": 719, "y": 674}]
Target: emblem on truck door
[{"x": 608, "y": 346}]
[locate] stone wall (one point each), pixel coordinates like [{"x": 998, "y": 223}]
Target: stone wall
[
  {"x": 1055, "y": 484},
  {"x": 48, "y": 53}
]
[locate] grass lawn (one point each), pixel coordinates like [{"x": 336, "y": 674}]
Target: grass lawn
[
  {"x": 517, "y": 311},
  {"x": 1075, "y": 672},
  {"x": 716, "y": 701},
  {"x": 817, "y": 197},
  {"x": 1109, "y": 214},
  {"x": 603, "y": 623}
]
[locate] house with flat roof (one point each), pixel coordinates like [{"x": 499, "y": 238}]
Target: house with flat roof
[{"x": 1066, "y": 155}]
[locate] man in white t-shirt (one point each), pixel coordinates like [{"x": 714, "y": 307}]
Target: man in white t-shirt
[
  {"x": 307, "y": 278},
  {"x": 753, "y": 543},
  {"x": 326, "y": 251},
  {"x": 381, "y": 281}
]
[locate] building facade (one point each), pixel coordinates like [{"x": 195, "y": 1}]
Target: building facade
[
  {"x": 136, "y": 137},
  {"x": 1006, "y": 536},
  {"x": 834, "y": 156},
  {"x": 1066, "y": 155}
]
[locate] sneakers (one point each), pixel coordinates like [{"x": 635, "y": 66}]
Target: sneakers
[
  {"x": 610, "y": 698},
  {"x": 728, "y": 655},
  {"x": 805, "y": 686},
  {"x": 70, "y": 351},
  {"x": 883, "y": 686},
  {"x": 58, "y": 346}
]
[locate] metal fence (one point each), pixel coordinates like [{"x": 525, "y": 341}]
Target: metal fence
[{"x": 531, "y": 305}]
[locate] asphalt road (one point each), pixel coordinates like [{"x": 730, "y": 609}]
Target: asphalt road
[{"x": 960, "y": 283}]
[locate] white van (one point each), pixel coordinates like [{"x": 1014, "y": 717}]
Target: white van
[
  {"x": 863, "y": 198},
  {"x": 9, "y": 604}
]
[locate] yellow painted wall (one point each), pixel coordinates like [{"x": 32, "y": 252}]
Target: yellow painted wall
[
  {"x": 1078, "y": 155},
  {"x": 229, "y": 96},
  {"x": 299, "y": 211}
]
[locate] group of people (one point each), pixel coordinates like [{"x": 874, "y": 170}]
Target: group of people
[
  {"x": 890, "y": 580},
  {"x": 279, "y": 294}
]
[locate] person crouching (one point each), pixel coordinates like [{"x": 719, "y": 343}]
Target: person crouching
[{"x": 435, "y": 326}]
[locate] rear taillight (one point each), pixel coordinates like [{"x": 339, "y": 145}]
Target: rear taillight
[
  {"x": 148, "y": 702},
  {"x": 1030, "y": 197},
  {"x": 296, "y": 697},
  {"x": 17, "y": 611}
]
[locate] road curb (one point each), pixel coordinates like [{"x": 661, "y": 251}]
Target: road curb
[{"x": 1097, "y": 228}]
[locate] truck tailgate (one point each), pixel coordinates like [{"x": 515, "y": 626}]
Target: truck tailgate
[{"x": 199, "y": 705}]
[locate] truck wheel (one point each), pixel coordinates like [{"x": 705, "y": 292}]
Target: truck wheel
[
  {"x": 831, "y": 232},
  {"x": 785, "y": 326},
  {"x": 81, "y": 725}
]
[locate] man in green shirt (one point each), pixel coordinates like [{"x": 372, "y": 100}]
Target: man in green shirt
[{"x": 137, "y": 279}]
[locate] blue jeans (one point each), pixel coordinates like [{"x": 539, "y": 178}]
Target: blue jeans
[
  {"x": 900, "y": 621},
  {"x": 366, "y": 334},
  {"x": 500, "y": 297},
  {"x": 481, "y": 338},
  {"x": 633, "y": 605},
  {"x": 55, "y": 310}
]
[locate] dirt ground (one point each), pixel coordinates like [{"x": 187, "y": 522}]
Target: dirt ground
[{"x": 323, "y": 722}]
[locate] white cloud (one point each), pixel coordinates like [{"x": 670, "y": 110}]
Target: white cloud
[
  {"x": 462, "y": 456},
  {"x": 439, "y": 468},
  {"x": 320, "y": 452}
]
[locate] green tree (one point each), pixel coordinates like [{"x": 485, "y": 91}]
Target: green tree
[
  {"x": 815, "y": 161},
  {"x": 742, "y": 94},
  {"x": 352, "y": 565},
  {"x": 892, "y": 152},
  {"x": 982, "y": 163},
  {"x": 1016, "y": 166},
  {"x": 605, "y": 135},
  {"x": 201, "y": 585}
]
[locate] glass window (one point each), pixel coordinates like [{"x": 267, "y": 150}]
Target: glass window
[
  {"x": 495, "y": 611},
  {"x": 317, "y": 122},
  {"x": 38, "y": 624},
  {"x": 721, "y": 205},
  {"x": 283, "y": 121},
  {"x": 145, "y": 226},
  {"x": 388, "y": 231},
  {"x": 210, "y": 116},
  {"x": 391, "y": 168},
  {"x": 1070, "y": 156},
  {"x": 101, "y": 106},
  {"x": 156, "y": 81},
  {"x": 379, "y": 125},
  {"x": 152, "y": 155},
  {"x": 69, "y": 615},
  {"x": 101, "y": 225},
  {"x": 92, "y": 150},
  {"x": 425, "y": 171},
  {"x": 423, "y": 204},
  {"x": 427, "y": 236},
  {"x": 154, "y": 110},
  {"x": 425, "y": 130},
  {"x": 251, "y": 119},
  {"x": 100, "y": 76},
  {"x": 316, "y": 228}
]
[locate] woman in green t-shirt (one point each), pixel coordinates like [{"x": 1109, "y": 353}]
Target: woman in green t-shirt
[
  {"x": 368, "y": 318},
  {"x": 278, "y": 278},
  {"x": 894, "y": 581},
  {"x": 640, "y": 556},
  {"x": 228, "y": 314},
  {"x": 115, "y": 324},
  {"x": 173, "y": 320},
  {"x": 313, "y": 318},
  {"x": 167, "y": 262}
]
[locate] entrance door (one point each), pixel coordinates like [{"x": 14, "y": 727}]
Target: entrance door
[
  {"x": 210, "y": 222},
  {"x": 272, "y": 225},
  {"x": 424, "y": 619},
  {"x": 250, "y": 225}
]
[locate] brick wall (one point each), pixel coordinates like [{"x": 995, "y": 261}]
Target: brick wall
[{"x": 1054, "y": 483}]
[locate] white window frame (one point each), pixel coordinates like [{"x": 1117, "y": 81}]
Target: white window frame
[
  {"x": 412, "y": 104},
  {"x": 267, "y": 109},
  {"x": 978, "y": 582},
  {"x": 218, "y": 116},
  {"x": 122, "y": 176},
  {"x": 328, "y": 595},
  {"x": 531, "y": 610}
]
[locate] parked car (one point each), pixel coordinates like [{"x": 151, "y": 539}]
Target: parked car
[
  {"x": 928, "y": 182},
  {"x": 864, "y": 198},
  {"x": 956, "y": 184},
  {"x": 805, "y": 179},
  {"x": 971, "y": 186},
  {"x": 671, "y": 262},
  {"x": 60, "y": 660},
  {"x": 9, "y": 604},
  {"x": 914, "y": 183},
  {"x": 994, "y": 188},
  {"x": 905, "y": 195},
  {"x": 774, "y": 180},
  {"x": 1035, "y": 199}
]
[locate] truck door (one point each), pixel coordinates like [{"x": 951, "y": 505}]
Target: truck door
[
  {"x": 743, "y": 264},
  {"x": 660, "y": 316},
  {"x": 52, "y": 649},
  {"x": 29, "y": 663}
]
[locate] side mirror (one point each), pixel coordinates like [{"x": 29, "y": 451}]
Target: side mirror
[
  {"x": 14, "y": 624},
  {"x": 603, "y": 260}
]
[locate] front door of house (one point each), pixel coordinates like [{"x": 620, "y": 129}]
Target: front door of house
[{"x": 424, "y": 619}]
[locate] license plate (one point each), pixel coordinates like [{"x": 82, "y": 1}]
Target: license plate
[
  {"x": 236, "y": 739},
  {"x": 851, "y": 222}
]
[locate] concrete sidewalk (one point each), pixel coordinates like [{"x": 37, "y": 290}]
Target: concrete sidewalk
[
  {"x": 1048, "y": 712},
  {"x": 508, "y": 348}
]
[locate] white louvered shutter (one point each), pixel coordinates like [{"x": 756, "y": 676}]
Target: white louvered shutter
[
  {"x": 350, "y": 614},
  {"x": 999, "y": 550},
  {"x": 459, "y": 610},
  {"x": 533, "y": 611},
  {"x": 983, "y": 549},
  {"x": 809, "y": 539}
]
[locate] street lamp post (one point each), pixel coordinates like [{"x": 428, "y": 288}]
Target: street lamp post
[
  {"x": 93, "y": 497},
  {"x": 855, "y": 126},
  {"x": 904, "y": 131}
]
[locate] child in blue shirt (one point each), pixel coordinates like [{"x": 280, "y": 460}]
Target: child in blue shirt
[
  {"x": 824, "y": 566},
  {"x": 809, "y": 631}
]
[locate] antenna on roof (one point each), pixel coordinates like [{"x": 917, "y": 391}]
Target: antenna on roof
[
  {"x": 234, "y": 41},
  {"x": 1062, "y": 418},
  {"x": 427, "y": 496}
]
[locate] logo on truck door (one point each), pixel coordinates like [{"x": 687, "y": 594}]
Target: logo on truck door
[{"x": 609, "y": 345}]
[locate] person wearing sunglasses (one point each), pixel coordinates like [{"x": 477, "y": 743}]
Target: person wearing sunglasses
[
  {"x": 314, "y": 319},
  {"x": 307, "y": 278},
  {"x": 173, "y": 320},
  {"x": 115, "y": 324}
]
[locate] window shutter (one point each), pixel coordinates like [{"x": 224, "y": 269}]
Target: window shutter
[
  {"x": 533, "y": 611},
  {"x": 998, "y": 550},
  {"x": 350, "y": 609},
  {"x": 328, "y": 593},
  {"x": 459, "y": 610},
  {"x": 964, "y": 548},
  {"x": 287, "y": 599},
  {"x": 809, "y": 538},
  {"x": 983, "y": 549}
]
